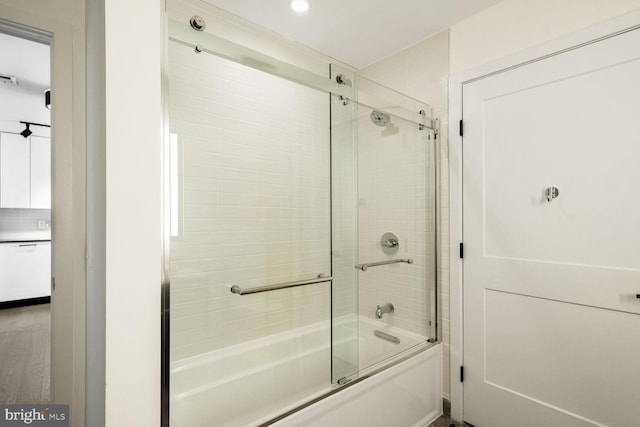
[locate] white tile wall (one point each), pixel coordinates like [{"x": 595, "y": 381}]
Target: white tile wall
[
  {"x": 253, "y": 199},
  {"x": 422, "y": 71},
  {"x": 394, "y": 195}
]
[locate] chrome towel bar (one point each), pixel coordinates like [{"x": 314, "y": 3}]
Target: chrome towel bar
[
  {"x": 235, "y": 289},
  {"x": 364, "y": 267}
]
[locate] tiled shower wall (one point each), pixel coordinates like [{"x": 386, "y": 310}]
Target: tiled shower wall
[
  {"x": 394, "y": 195},
  {"x": 254, "y": 177},
  {"x": 422, "y": 72}
]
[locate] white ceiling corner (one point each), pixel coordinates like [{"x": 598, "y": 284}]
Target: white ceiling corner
[{"x": 356, "y": 32}]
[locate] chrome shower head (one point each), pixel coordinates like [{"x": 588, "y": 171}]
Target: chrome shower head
[{"x": 379, "y": 118}]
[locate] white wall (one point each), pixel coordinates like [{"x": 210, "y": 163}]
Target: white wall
[
  {"x": 514, "y": 25},
  {"x": 133, "y": 111}
]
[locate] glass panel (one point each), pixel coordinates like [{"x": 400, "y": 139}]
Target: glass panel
[
  {"x": 383, "y": 181},
  {"x": 269, "y": 185},
  {"x": 396, "y": 223},
  {"x": 344, "y": 314},
  {"x": 251, "y": 188}
]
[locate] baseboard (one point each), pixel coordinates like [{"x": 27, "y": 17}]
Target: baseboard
[{"x": 25, "y": 302}]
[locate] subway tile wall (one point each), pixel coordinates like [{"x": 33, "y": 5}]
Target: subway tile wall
[
  {"x": 422, "y": 72},
  {"x": 253, "y": 199},
  {"x": 396, "y": 194}
]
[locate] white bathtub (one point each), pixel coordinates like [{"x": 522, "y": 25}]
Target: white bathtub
[{"x": 235, "y": 386}]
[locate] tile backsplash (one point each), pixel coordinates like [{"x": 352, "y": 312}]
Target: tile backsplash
[{"x": 24, "y": 220}]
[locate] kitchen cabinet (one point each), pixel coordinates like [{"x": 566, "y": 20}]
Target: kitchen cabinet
[
  {"x": 25, "y": 171},
  {"x": 25, "y": 270},
  {"x": 40, "y": 173},
  {"x": 15, "y": 167}
]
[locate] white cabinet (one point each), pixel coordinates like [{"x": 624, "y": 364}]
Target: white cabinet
[
  {"x": 25, "y": 270},
  {"x": 25, "y": 172},
  {"x": 40, "y": 173},
  {"x": 15, "y": 167}
]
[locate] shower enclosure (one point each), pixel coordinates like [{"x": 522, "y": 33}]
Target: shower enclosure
[{"x": 300, "y": 233}]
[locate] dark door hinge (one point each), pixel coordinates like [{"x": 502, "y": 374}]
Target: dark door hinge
[
  {"x": 461, "y": 250},
  {"x": 461, "y": 129},
  {"x": 461, "y": 374}
]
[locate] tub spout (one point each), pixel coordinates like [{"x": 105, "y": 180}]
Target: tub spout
[{"x": 382, "y": 309}]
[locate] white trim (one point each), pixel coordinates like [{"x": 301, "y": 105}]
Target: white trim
[
  {"x": 67, "y": 202},
  {"x": 455, "y": 237},
  {"x": 456, "y": 82}
]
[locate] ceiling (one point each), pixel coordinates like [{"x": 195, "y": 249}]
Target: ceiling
[
  {"x": 27, "y": 60},
  {"x": 356, "y": 32}
]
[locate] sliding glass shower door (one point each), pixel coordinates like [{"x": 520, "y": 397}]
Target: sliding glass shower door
[
  {"x": 251, "y": 208},
  {"x": 300, "y": 241},
  {"x": 384, "y": 226}
]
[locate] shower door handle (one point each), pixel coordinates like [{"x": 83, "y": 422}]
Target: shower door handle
[{"x": 235, "y": 289}]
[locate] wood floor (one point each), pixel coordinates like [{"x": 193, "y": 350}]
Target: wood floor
[{"x": 25, "y": 342}]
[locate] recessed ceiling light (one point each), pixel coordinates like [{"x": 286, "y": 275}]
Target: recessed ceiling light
[{"x": 299, "y": 6}]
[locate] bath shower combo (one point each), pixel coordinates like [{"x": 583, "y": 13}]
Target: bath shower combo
[{"x": 276, "y": 307}]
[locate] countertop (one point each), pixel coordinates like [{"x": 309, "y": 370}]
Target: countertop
[{"x": 27, "y": 236}]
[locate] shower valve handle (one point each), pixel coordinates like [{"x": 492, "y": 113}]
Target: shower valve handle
[{"x": 390, "y": 243}]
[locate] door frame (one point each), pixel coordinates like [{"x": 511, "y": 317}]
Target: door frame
[
  {"x": 558, "y": 46},
  {"x": 67, "y": 204}
]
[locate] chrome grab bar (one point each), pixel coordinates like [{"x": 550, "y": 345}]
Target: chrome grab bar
[
  {"x": 235, "y": 289},
  {"x": 364, "y": 267}
]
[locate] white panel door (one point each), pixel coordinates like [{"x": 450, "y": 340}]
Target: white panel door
[
  {"x": 14, "y": 171},
  {"x": 551, "y": 317},
  {"x": 40, "y": 173}
]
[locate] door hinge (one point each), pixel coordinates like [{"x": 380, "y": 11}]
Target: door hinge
[
  {"x": 53, "y": 284},
  {"x": 461, "y": 250},
  {"x": 461, "y": 374},
  {"x": 461, "y": 129}
]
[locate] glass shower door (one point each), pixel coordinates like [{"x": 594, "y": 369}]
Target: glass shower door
[
  {"x": 281, "y": 185},
  {"x": 384, "y": 235},
  {"x": 250, "y": 210},
  {"x": 344, "y": 229}
]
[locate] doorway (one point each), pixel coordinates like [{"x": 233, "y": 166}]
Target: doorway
[{"x": 25, "y": 216}]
